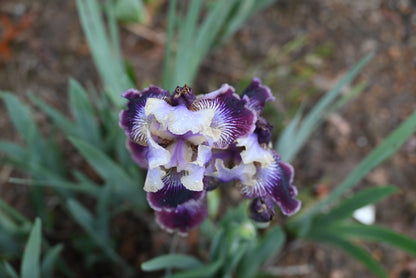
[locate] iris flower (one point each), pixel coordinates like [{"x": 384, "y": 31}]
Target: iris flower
[{"x": 188, "y": 143}]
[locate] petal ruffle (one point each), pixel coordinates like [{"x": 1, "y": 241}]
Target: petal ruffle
[
  {"x": 257, "y": 95},
  {"x": 133, "y": 120},
  {"x": 231, "y": 117},
  {"x": 184, "y": 217},
  {"x": 177, "y": 207},
  {"x": 178, "y": 119}
]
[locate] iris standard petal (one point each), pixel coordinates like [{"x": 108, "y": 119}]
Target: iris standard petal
[
  {"x": 133, "y": 120},
  {"x": 231, "y": 117},
  {"x": 178, "y": 119},
  {"x": 257, "y": 95}
]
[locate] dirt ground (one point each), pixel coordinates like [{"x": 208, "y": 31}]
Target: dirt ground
[{"x": 42, "y": 45}]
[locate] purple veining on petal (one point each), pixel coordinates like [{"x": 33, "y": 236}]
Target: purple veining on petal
[
  {"x": 231, "y": 117},
  {"x": 173, "y": 193},
  {"x": 138, "y": 153},
  {"x": 133, "y": 119},
  {"x": 183, "y": 217},
  {"x": 275, "y": 181},
  {"x": 261, "y": 209},
  {"x": 263, "y": 131},
  {"x": 258, "y": 95},
  {"x": 183, "y": 95}
]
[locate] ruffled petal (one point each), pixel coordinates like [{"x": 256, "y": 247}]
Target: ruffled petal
[
  {"x": 184, "y": 217},
  {"x": 284, "y": 194},
  {"x": 257, "y": 95},
  {"x": 263, "y": 131},
  {"x": 138, "y": 153},
  {"x": 133, "y": 120},
  {"x": 275, "y": 181},
  {"x": 178, "y": 119},
  {"x": 231, "y": 118},
  {"x": 177, "y": 207}
]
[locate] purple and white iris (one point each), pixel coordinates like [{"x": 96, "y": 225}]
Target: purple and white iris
[{"x": 190, "y": 144}]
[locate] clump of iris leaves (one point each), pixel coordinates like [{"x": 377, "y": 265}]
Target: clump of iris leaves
[{"x": 236, "y": 248}]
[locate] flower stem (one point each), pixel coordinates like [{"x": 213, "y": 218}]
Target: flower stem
[{"x": 172, "y": 250}]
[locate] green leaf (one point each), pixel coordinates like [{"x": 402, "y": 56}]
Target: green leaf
[
  {"x": 8, "y": 270},
  {"x": 21, "y": 118},
  {"x": 130, "y": 11},
  {"x": 310, "y": 122},
  {"x": 57, "y": 117},
  {"x": 167, "y": 66},
  {"x": 104, "y": 49},
  {"x": 31, "y": 255},
  {"x": 346, "y": 208},
  {"x": 384, "y": 150},
  {"x": 179, "y": 261},
  {"x": 209, "y": 270},
  {"x": 12, "y": 150},
  {"x": 378, "y": 234},
  {"x": 50, "y": 260},
  {"x": 353, "y": 250},
  {"x": 269, "y": 245},
  {"x": 86, "y": 220},
  {"x": 84, "y": 113},
  {"x": 111, "y": 173}
]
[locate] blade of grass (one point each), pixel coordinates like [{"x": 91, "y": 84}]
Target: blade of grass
[
  {"x": 106, "y": 58},
  {"x": 377, "y": 234},
  {"x": 308, "y": 125},
  {"x": 167, "y": 66},
  {"x": 31, "y": 255},
  {"x": 383, "y": 151},
  {"x": 178, "y": 261},
  {"x": 354, "y": 251},
  {"x": 8, "y": 270},
  {"x": 209, "y": 270},
  {"x": 268, "y": 245},
  {"x": 50, "y": 260},
  {"x": 361, "y": 199},
  {"x": 84, "y": 113},
  {"x": 111, "y": 172}
]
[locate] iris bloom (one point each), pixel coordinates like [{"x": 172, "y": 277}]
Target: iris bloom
[{"x": 188, "y": 143}]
